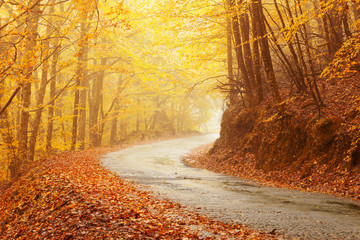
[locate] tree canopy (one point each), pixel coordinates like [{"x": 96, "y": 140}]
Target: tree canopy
[{"x": 76, "y": 74}]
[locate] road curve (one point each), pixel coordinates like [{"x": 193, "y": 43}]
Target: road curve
[{"x": 292, "y": 213}]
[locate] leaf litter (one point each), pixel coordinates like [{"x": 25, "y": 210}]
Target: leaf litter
[{"x": 71, "y": 196}]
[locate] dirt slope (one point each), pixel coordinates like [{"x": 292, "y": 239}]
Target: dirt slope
[{"x": 297, "y": 148}]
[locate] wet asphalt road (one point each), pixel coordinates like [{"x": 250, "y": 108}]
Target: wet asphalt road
[{"x": 296, "y": 214}]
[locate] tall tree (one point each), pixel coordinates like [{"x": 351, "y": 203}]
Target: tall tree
[
  {"x": 229, "y": 45},
  {"x": 28, "y": 60},
  {"x": 265, "y": 49},
  {"x": 52, "y": 93},
  {"x": 296, "y": 70},
  {"x": 245, "y": 35},
  {"x": 79, "y": 117},
  {"x": 97, "y": 99},
  {"x": 234, "y": 5},
  {"x": 256, "y": 56},
  {"x": 333, "y": 28},
  {"x": 41, "y": 92},
  {"x": 84, "y": 84}
]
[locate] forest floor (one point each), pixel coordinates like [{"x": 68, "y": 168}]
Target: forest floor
[
  {"x": 70, "y": 195},
  {"x": 339, "y": 182}
]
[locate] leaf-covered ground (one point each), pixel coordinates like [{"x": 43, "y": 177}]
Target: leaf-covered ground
[
  {"x": 70, "y": 196},
  {"x": 338, "y": 182}
]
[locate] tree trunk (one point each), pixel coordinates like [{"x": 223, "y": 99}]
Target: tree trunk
[
  {"x": 327, "y": 37},
  {"x": 256, "y": 57},
  {"x": 356, "y": 10},
  {"x": 286, "y": 64},
  {"x": 138, "y": 117},
  {"x": 333, "y": 23},
  {"x": 232, "y": 91},
  {"x": 29, "y": 60},
  {"x": 75, "y": 115},
  {"x": 97, "y": 93},
  {"x": 265, "y": 50},
  {"x": 114, "y": 125},
  {"x": 245, "y": 35},
  {"x": 123, "y": 128},
  {"x": 240, "y": 55},
  {"x": 54, "y": 75},
  {"x": 83, "y": 94},
  {"x": 79, "y": 117},
  {"x": 53, "y": 82},
  {"x": 40, "y": 94},
  {"x": 9, "y": 139},
  {"x": 345, "y": 21}
]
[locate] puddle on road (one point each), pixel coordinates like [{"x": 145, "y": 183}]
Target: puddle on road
[
  {"x": 240, "y": 184},
  {"x": 163, "y": 161},
  {"x": 349, "y": 207},
  {"x": 291, "y": 201}
]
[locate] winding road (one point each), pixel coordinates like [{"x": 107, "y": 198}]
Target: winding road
[{"x": 292, "y": 213}]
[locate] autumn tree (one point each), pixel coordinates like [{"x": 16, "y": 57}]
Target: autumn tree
[
  {"x": 78, "y": 74},
  {"x": 28, "y": 62}
]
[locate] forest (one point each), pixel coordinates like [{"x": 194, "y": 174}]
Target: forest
[
  {"x": 77, "y": 76},
  {"x": 80, "y": 74},
  {"x": 292, "y": 115}
]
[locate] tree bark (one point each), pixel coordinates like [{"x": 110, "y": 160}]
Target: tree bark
[
  {"x": 240, "y": 54},
  {"x": 28, "y": 59},
  {"x": 138, "y": 116},
  {"x": 334, "y": 28},
  {"x": 40, "y": 94},
  {"x": 114, "y": 125},
  {"x": 356, "y": 10},
  {"x": 84, "y": 82},
  {"x": 265, "y": 50},
  {"x": 230, "y": 61},
  {"x": 9, "y": 139},
  {"x": 79, "y": 116},
  {"x": 256, "y": 56},
  {"x": 54, "y": 76},
  {"x": 245, "y": 35},
  {"x": 97, "y": 93}
]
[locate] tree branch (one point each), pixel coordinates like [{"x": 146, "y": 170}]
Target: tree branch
[{"x": 10, "y": 100}]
